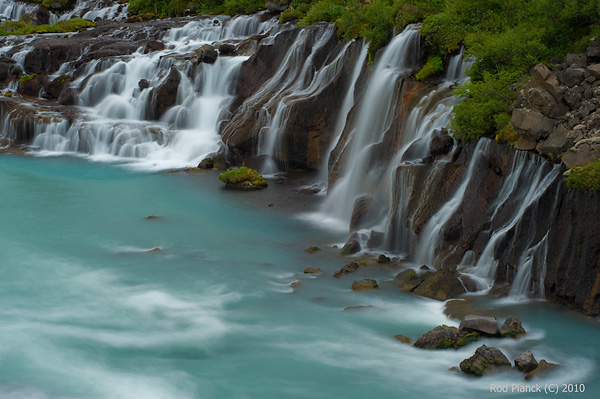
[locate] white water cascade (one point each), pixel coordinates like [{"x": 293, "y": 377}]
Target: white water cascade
[
  {"x": 117, "y": 119},
  {"x": 374, "y": 119},
  {"x": 14, "y": 10}
]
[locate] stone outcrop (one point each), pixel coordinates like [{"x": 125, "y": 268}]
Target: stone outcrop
[
  {"x": 483, "y": 325},
  {"x": 558, "y": 112},
  {"x": 485, "y": 360},
  {"x": 526, "y": 362},
  {"x": 165, "y": 95}
]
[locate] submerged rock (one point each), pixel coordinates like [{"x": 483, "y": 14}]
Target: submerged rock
[
  {"x": 541, "y": 370},
  {"x": 445, "y": 337},
  {"x": 486, "y": 359},
  {"x": 366, "y": 284},
  {"x": 442, "y": 285},
  {"x": 348, "y": 268},
  {"x": 313, "y": 270},
  {"x": 403, "y": 338}
]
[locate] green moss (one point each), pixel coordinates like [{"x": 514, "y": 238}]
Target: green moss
[
  {"x": 26, "y": 78},
  {"x": 467, "y": 339},
  {"x": 433, "y": 66},
  {"x": 242, "y": 177},
  {"x": 507, "y": 135},
  {"x": 585, "y": 177},
  {"x": 20, "y": 28}
]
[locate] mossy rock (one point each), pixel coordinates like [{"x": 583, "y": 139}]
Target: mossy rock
[
  {"x": 445, "y": 337},
  {"x": 243, "y": 178},
  {"x": 485, "y": 360},
  {"x": 585, "y": 177},
  {"x": 312, "y": 250}
]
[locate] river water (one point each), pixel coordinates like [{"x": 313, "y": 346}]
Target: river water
[{"x": 91, "y": 310}]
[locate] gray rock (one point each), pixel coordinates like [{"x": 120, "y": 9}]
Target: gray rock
[
  {"x": 572, "y": 76},
  {"x": 593, "y": 51},
  {"x": 364, "y": 212},
  {"x": 483, "y": 325},
  {"x": 206, "y": 54},
  {"x": 485, "y": 360},
  {"x": 531, "y": 124},
  {"x": 557, "y": 143},
  {"x": 576, "y": 60},
  {"x": 525, "y": 362}
]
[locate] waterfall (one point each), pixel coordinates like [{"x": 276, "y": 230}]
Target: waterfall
[
  {"x": 14, "y": 10},
  {"x": 90, "y": 10},
  {"x": 373, "y": 120},
  {"x": 117, "y": 120}
]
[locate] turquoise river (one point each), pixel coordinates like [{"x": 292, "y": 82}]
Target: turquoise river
[{"x": 100, "y": 302}]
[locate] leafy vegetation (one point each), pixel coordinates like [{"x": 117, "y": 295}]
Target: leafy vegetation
[
  {"x": 243, "y": 177},
  {"x": 22, "y": 28},
  {"x": 585, "y": 177},
  {"x": 431, "y": 67}
]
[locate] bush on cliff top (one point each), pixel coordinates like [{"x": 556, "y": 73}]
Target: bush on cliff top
[{"x": 585, "y": 177}]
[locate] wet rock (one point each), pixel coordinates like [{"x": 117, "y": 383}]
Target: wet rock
[
  {"x": 312, "y": 190},
  {"x": 152, "y": 217},
  {"x": 349, "y": 268},
  {"x": 376, "y": 239},
  {"x": 441, "y": 143},
  {"x": 531, "y": 124},
  {"x": 483, "y": 325},
  {"x": 32, "y": 85},
  {"x": 486, "y": 359},
  {"x": 295, "y": 284},
  {"x": 442, "y": 285},
  {"x": 512, "y": 327},
  {"x": 352, "y": 246},
  {"x": 365, "y": 284},
  {"x": 165, "y": 95},
  {"x": 153, "y": 45},
  {"x": 207, "y": 163},
  {"x": 364, "y": 212},
  {"x": 55, "y": 87},
  {"x": 408, "y": 280},
  {"x": 525, "y": 362},
  {"x": 383, "y": 259},
  {"x": 67, "y": 96},
  {"x": 359, "y": 307},
  {"x": 143, "y": 84},
  {"x": 403, "y": 338},
  {"x": 445, "y": 337},
  {"x": 541, "y": 370},
  {"x": 312, "y": 270},
  {"x": 8, "y": 69},
  {"x": 206, "y": 54},
  {"x": 226, "y": 49},
  {"x": 42, "y": 15}
]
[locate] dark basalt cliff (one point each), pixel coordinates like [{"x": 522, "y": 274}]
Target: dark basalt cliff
[{"x": 486, "y": 209}]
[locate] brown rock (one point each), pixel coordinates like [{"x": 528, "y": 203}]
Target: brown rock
[
  {"x": 512, "y": 327},
  {"x": 483, "y": 325},
  {"x": 364, "y": 212},
  {"x": 312, "y": 270},
  {"x": 445, "y": 337},
  {"x": 531, "y": 124},
  {"x": 349, "y": 268},
  {"x": 541, "y": 370},
  {"x": 352, "y": 246},
  {"x": 403, "y": 338},
  {"x": 442, "y": 285},
  {"x": 365, "y": 284}
]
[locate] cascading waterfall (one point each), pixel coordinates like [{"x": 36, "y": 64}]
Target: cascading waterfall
[
  {"x": 90, "y": 10},
  {"x": 115, "y": 124},
  {"x": 374, "y": 119},
  {"x": 14, "y": 10}
]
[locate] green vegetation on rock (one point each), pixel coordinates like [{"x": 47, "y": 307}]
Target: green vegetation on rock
[
  {"x": 21, "y": 28},
  {"x": 585, "y": 177},
  {"x": 26, "y": 78},
  {"x": 243, "y": 177},
  {"x": 433, "y": 66}
]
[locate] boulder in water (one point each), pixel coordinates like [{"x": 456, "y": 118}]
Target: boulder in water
[
  {"x": 352, "y": 246},
  {"x": 153, "y": 45},
  {"x": 442, "y": 285},
  {"x": 165, "y": 95},
  {"x": 512, "y": 328},
  {"x": 243, "y": 178},
  {"x": 349, "y": 268},
  {"x": 485, "y": 360},
  {"x": 207, "y": 54},
  {"x": 207, "y": 163},
  {"x": 541, "y": 370},
  {"x": 365, "y": 284},
  {"x": 55, "y": 87},
  {"x": 445, "y": 337},
  {"x": 483, "y": 325},
  {"x": 364, "y": 212},
  {"x": 526, "y": 362},
  {"x": 312, "y": 270},
  {"x": 441, "y": 142}
]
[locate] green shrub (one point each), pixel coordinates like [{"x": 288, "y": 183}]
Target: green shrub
[
  {"x": 323, "y": 10},
  {"x": 585, "y": 177},
  {"x": 483, "y": 110},
  {"x": 242, "y": 177},
  {"x": 20, "y": 28},
  {"x": 433, "y": 66},
  {"x": 26, "y": 78}
]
